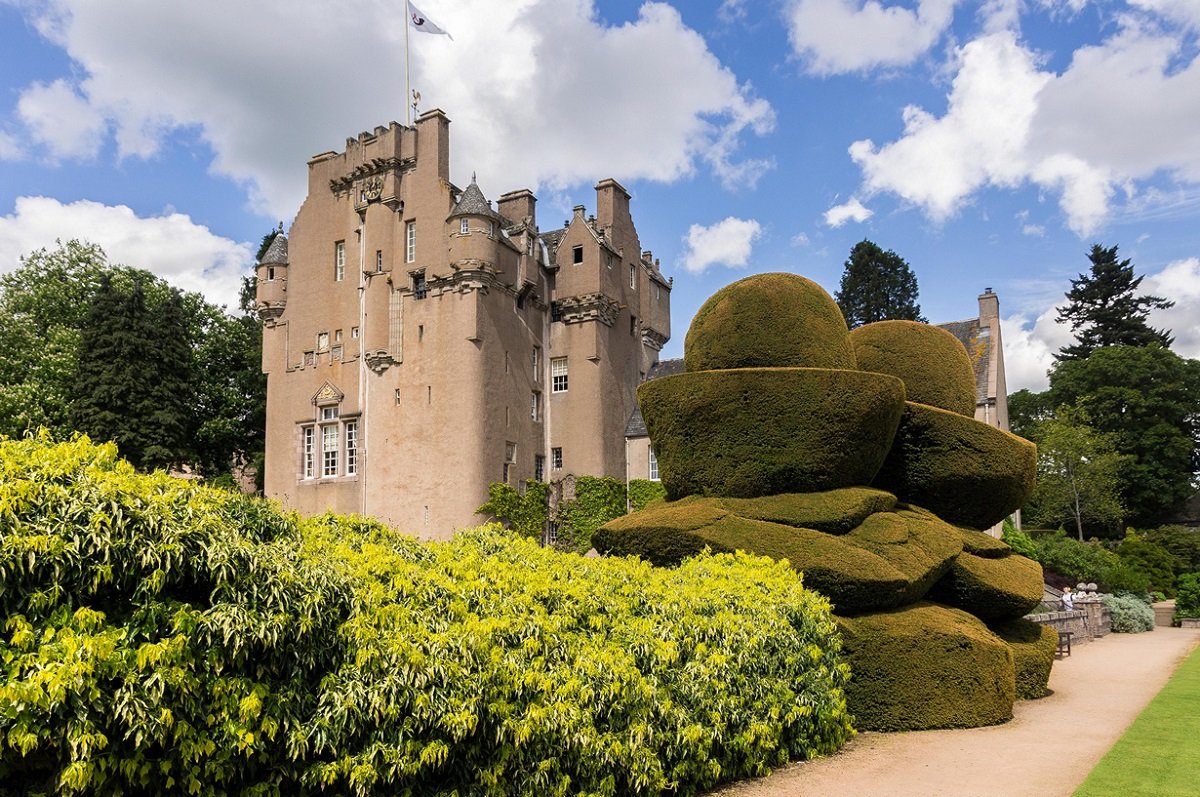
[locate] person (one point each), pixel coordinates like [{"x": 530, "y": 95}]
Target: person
[{"x": 1068, "y": 600}]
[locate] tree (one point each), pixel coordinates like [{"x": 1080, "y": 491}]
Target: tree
[
  {"x": 1104, "y": 310},
  {"x": 133, "y": 383},
  {"x": 877, "y": 286},
  {"x": 1148, "y": 400},
  {"x": 1077, "y": 475},
  {"x": 1026, "y": 410}
]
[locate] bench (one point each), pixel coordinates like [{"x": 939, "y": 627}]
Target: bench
[{"x": 1064, "y": 643}]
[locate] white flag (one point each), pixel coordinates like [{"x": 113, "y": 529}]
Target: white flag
[{"x": 422, "y": 22}]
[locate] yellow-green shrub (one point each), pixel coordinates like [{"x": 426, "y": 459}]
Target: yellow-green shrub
[
  {"x": 962, "y": 470},
  {"x": 991, "y": 588},
  {"x": 932, "y": 362},
  {"x": 768, "y": 320},
  {"x": 1033, "y": 646},
  {"x": 926, "y": 666},
  {"x": 761, "y": 431},
  {"x": 164, "y": 638}
]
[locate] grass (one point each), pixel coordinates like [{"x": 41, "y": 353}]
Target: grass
[{"x": 1157, "y": 756}]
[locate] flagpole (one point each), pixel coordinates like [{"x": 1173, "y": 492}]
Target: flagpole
[{"x": 407, "y": 88}]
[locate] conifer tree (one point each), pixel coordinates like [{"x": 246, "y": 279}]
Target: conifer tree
[
  {"x": 877, "y": 286},
  {"x": 133, "y": 382},
  {"x": 1105, "y": 310}
]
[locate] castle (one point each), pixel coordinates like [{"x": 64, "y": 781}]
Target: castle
[{"x": 420, "y": 345}]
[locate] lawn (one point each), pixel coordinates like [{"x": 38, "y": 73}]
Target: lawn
[{"x": 1157, "y": 756}]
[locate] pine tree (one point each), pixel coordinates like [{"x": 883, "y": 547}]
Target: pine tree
[
  {"x": 1104, "y": 310},
  {"x": 133, "y": 383},
  {"x": 877, "y": 286}
]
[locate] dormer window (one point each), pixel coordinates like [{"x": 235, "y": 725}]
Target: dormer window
[{"x": 464, "y": 226}]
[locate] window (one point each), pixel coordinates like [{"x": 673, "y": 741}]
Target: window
[
  {"x": 335, "y": 354},
  {"x": 270, "y": 273},
  {"x": 337, "y": 336},
  {"x": 539, "y": 468},
  {"x": 633, "y": 325},
  {"x": 491, "y": 228},
  {"x": 378, "y": 260},
  {"x": 329, "y": 413},
  {"x": 309, "y": 452},
  {"x": 529, "y": 245},
  {"x": 354, "y": 332},
  {"x": 558, "y": 374},
  {"x": 510, "y": 459},
  {"x": 535, "y": 406},
  {"x": 577, "y": 255},
  {"x": 420, "y": 291},
  {"x": 464, "y": 226},
  {"x": 322, "y": 341},
  {"x": 339, "y": 261},
  {"x": 396, "y": 395},
  {"x": 653, "y": 466},
  {"x": 535, "y": 359},
  {"x": 555, "y": 311},
  {"x": 556, "y": 459},
  {"x": 633, "y": 276},
  {"x": 410, "y": 242},
  {"x": 351, "y": 448},
  {"x": 329, "y": 450}
]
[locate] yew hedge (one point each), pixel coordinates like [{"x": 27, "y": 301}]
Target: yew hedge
[{"x": 161, "y": 637}]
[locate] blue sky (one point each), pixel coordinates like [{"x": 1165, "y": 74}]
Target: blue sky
[{"x": 989, "y": 144}]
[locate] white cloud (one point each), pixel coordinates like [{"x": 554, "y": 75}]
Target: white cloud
[
  {"x": 834, "y": 36},
  {"x": 1184, "y": 12},
  {"x": 1081, "y": 134},
  {"x": 1029, "y": 346},
  {"x": 61, "y": 120},
  {"x": 851, "y": 210},
  {"x": 185, "y": 254},
  {"x": 10, "y": 147},
  {"x": 726, "y": 243},
  {"x": 1179, "y": 282},
  {"x": 543, "y": 93}
]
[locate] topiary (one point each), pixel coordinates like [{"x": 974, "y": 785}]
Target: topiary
[
  {"x": 991, "y": 589},
  {"x": 926, "y": 666},
  {"x": 833, "y": 512},
  {"x": 806, "y": 327},
  {"x": 964, "y": 471},
  {"x": 1033, "y": 646},
  {"x": 932, "y": 362},
  {"x": 761, "y": 431}
]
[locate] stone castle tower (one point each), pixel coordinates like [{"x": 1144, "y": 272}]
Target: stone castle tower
[{"x": 419, "y": 344}]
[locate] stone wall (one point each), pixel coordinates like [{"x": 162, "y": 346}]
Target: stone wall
[{"x": 1090, "y": 620}]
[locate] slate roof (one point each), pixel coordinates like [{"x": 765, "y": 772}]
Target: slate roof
[
  {"x": 979, "y": 349},
  {"x": 276, "y": 253},
  {"x": 636, "y": 427},
  {"x": 552, "y": 239},
  {"x": 474, "y": 203}
]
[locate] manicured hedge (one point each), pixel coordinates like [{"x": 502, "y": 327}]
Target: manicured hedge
[
  {"x": 768, "y": 320},
  {"x": 163, "y": 638},
  {"x": 926, "y": 666},
  {"x": 963, "y": 470},
  {"x": 834, "y": 512},
  {"x": 993, "y": 589},
  {"x": 985, "y": 545},
  {"x": 913, "y": 541},
  {"x": 932, "y": 362},
  {"x": 1033, "y": 646},
  {"x": 762, "y": 431}
]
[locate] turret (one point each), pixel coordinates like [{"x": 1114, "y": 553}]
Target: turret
[{"x": 270, "y": 290}]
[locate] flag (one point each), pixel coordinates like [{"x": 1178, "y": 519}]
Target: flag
[{"x": 422, "y": 22}]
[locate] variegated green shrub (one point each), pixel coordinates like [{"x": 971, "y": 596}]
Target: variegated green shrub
[{"x": 161, "y": 637}]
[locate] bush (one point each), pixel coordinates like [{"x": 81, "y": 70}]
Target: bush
[
  {"x": 1019, "y": 541},
  {"x": 768, "y": 320},
  {"x": 926, "y": 666},
  {"x": 762, "y": 431},
  {"x": 993, "y": 589},
  {"x": 1129, "y": 614},
  {"x": 598, "y": 499},
  {"x": 162, "y": 637},
  {"x": 1078, "y": 561},
  {"x": 1150, "y": 561},
  {"x": 643, "y": 491},
  {"x": 961, "y": 469},
  {"x": 1033, "y": 646},
  {"x": 1182, "y": 543},
  {"x": 932, "y": 362},
  {"x": 1187, "y": 596},
  {"x": 525, "y": 514}
]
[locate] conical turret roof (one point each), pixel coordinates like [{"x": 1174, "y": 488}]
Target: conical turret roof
[
  {"x": 473, "y": 203},
  {"x": 277, "y": 253}
]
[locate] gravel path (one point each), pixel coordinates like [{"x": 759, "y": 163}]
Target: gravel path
[{"x": 1046, "y": 750}]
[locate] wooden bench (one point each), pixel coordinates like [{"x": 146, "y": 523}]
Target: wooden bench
[{"x": 1064, "y": 643}]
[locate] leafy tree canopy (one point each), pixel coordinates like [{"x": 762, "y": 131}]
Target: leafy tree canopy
[
  {"x": 1104, "y": 309},
  {"x": 1148, "y": 400},
  {"x": 877, "y": 286}
]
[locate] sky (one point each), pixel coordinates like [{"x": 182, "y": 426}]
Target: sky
[{"x": 990, "y": 144}]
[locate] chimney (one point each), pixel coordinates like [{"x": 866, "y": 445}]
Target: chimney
[
  {"x": 612, "y": 204},
  {"x": 517, "y": 206}
]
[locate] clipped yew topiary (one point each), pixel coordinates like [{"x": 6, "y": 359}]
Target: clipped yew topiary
[
  {"x": 1033, "y": 646},
  {"x": 985, "y": 545},
  {"x": 769, "y": 320},
  {"x": 833, "y": 512},
  {"x": 932, "y": 362},
  {"x": 913, "y": 541},
  {"x": 964, "y": 471},
  {"x": 991, "y": 588},
  {"x": 926, "y": 666},
  {"x": 761, "y": 431}
]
